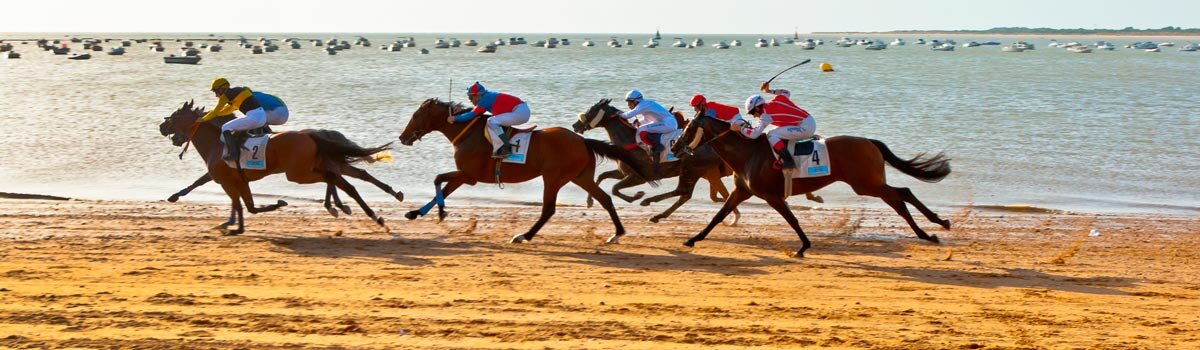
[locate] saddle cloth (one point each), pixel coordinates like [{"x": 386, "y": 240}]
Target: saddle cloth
[
  {"x": 811, "y": 156},
  {"x": 254, "y": 153},
  {"x": 519, "y": 141}
]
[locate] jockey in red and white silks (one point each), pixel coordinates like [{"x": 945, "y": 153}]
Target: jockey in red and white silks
[{"x": 781, "y": 120}]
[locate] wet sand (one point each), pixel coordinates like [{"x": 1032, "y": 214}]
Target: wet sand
[{"x": 153, "y": 275}]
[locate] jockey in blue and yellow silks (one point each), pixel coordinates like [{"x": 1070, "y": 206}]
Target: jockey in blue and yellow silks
[
  {"x": 259, "y": 109},
  {"x": 506, "y": 110}
]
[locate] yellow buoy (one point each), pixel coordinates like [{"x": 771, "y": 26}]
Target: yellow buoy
[{"x": 826, "y": 67}]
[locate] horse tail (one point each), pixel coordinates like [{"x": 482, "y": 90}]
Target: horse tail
[
  {"x": 602, "y": 149},
  {"x": 928, "y": 169},
  {"x": 334, "y": 146}
]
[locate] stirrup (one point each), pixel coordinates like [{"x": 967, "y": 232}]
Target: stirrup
[{"x": 504, "y": 152}]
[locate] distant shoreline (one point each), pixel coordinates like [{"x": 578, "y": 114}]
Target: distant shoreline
[{"x": 1007, "y": 35}]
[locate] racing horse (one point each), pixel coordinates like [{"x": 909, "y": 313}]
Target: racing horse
[
  {"x": 856, "y": 161},
  {"x": 557, "y": 155},
  {"x": 305, "y": 156}
]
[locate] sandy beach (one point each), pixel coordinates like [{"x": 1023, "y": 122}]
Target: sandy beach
[{"x": 154, "y": 275}]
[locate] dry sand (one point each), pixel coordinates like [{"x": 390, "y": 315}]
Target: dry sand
[{"x": 89, "y": 274}]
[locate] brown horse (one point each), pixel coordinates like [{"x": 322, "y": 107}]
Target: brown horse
[
  {"x": 856, "y": 161},
  {"x": 306, "y": 156},
  {"x": 556, "y": 155},
  {"x": 702, "y": 164}
]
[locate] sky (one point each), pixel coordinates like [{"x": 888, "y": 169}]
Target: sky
[{"x": 612, "y": 16}]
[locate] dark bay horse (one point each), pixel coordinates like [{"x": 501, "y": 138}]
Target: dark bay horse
[
  {"x": 856, "y": 161},
  {"x": 306, "y": 156},
  {"x": 703, "y": 163},
  {"x": 556, "y": 155}
]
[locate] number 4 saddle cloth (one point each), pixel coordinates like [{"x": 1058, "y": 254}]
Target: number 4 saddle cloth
[{"x": 811, "y": 156}]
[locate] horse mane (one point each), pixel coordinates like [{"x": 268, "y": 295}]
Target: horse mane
[
  {"x": 190, "y": 106},
  {"x": 455, "y": 107}
]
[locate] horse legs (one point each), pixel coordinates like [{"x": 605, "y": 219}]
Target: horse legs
[
  {"x": 716, "y": 188},
  {"x": 738, "y": 196},
  {"x": 815, "y": 198},
  {"x": 895, "y": 199},
  {"x": 235, "y": 211},
  {"x": 549, "y": 202},
  {"x": 248, "y": 199},
  {"x": 687, "y": 184},
  {"x": 629, "y": 181},
  {"x": 611, "y": 174},
  {"x": 452, "y": 181},
  {"x": 358, "y": 173},
  {"x": 349, "y": 189},
  {"x": 909, "y": 197},
  {"x": 331, "y": 196},
  {"x": 594, "y": 190},
  {"x": 199, "y": 182},
  {"x": 781, "y": 206}
]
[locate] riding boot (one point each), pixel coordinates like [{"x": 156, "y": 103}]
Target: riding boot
[
  {"x": 505, "y": 149},
  {"x": 785, "y": 160},
  {"x": 232, "y": 147}
]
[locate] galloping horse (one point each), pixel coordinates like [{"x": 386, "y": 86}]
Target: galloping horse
[
  {"x": 860, "y": 166},
  {"x": 557, "y": 155},
  {"x": 306, "y": 156},
  {"x": 703, "y": 163}
]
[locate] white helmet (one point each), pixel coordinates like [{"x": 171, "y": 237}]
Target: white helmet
[
  {"x": 633, "y": 95},
  {"x": 754, "y": 101}
]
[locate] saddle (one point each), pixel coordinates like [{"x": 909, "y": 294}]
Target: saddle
[{"x": 239, "y": 138}]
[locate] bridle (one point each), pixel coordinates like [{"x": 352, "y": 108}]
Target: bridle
[
  {"x": 692, "y": 146},
  {"x": 601, "y": 117}
]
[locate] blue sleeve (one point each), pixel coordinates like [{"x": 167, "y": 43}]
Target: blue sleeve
[
  {"x": 711, "y": 113},
  {"x": 464, "y": 116}
]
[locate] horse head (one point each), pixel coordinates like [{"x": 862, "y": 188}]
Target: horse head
[
  {"x": 431, "y": 116},
  {"x": 178, "y": 125},
  {"x": 594, "y": 116},
  {"x": 699, "y": 130}
]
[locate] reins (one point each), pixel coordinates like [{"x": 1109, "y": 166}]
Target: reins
[
  {"x": 454, "y": 140},
  {"x": 195, "y": 126}
]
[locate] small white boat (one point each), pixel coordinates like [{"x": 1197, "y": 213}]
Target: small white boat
[
  {"x": 521, "y": 40},
  {"x": 410, "y": 42},
  {"x": 489, "y": 48},
  {"x": 565, "y": 42},
  {"x": 1104, "y": 45},
  {"x": 1012, "y": 48},
  {"x": 423, "y": 51},
  {"x": 1144, "y": 45},
  {"x": 454, "y": 42},
  {"x": 1071, "y": 44},
  {"x": 1023, "y": 46},
  {"x": 942, "y": 47},
  {"x": 588, "y": 43},
  {"x": 761, "y": 43},
  {"x": 1154, "y": 50},
  {"x": 721, "y": 45},
  {"x": 499, "y": 42},
  {"x": 773, "y": 42},
  {"x": 919, "y": 42},
  {"x": 214, "y": 48},
  {"x": 80, "y": 56},
  {"x": 1054, "y": 43},
  {"x": 628, "y": 42},
  {"x": 256, "y": 50},
  {"x": 539, "y": 43},
  {"x": 116, "y": 51},
  {"x": 317, "y": 42},
  {"x": 698, "y": 42},
  {"x": 295, "y": 45},
  {"x": 735, "y": 42},
  {"x": 330, "y": 50},
  {"x": 1166, "y": 44},
  {"x": 126, "y": 43},
  {"x": 614, "y": 43},
  {"x": 898, "y": 42},
  {"x": 679, "y": 43},
  {"x": 970, "y": 44},
  {"x": 863, "y": 42},
  {"x": 789, "y": 41},
  {"x": 1190, "y": 48},
  {"x": 172, "y": 59},
  {"x": 876, "y": 46},
  {"x": 1079, "y": 49},
  {"x": 806, "y": 44},
  {"x": 394, "y": 47},
  {"x": 441, "y": 44},
  {"x": 650, "y": 44},
  {"x": 471, "y": 42}
]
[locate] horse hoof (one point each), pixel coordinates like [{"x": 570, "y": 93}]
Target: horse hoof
[
  {"x": 817, "y": 199},
  {"x": 799, "y": 254},
  {"x": 281, "y": 203},
  {"x": 379, "y": 220},
  {"x": 173, "y": 198},
  {"x": 233, "y": 232},
  {"x": 655, "y": 219},
  {"x": 412, "y": 215},
  {"x": 646, "y": 203},
  {"x": 345, "y": 209},
  {"x": 517, "y": 239},
  {"x": 945, "y": 224},
  {"x": 613, "y": 240},
  {"x": 934, "y": 239},
  {"x": 442, "y": 216},
  {"x": 639, "y": 195},
  {"x": 332, "y": 211},
  {"x": 689, "y": 244},
  {"x": 399, "y": 196}
]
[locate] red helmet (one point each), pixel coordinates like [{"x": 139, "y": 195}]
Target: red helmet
[
  {"x": 697, "y": 100},
  {"x": 476, "y": 89}
]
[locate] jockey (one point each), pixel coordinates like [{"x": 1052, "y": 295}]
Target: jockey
[
  {"x": 722, "y": 112},
  {"x": 507, "y": 110},
  {"x": 654, "y": 119},
  {"x": 259, "y": 109},
  {"x": 785, "y": 120}
]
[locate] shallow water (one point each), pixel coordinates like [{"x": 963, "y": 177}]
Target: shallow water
[{"x": 1101, "y": 132}]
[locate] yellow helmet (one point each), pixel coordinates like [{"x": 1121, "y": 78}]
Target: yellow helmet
[{"x": 219, "y": 83}]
